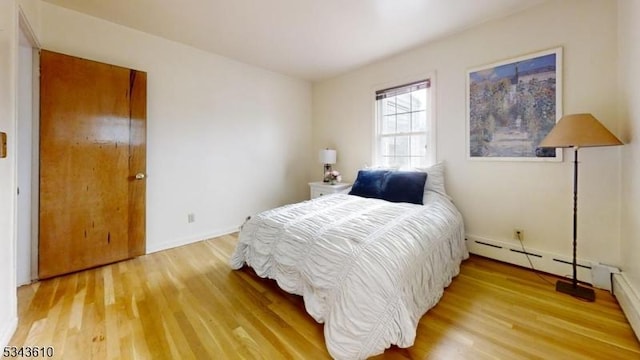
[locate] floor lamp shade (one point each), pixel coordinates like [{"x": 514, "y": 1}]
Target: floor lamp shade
[
  {"x": 576, "y": 131},
  {"x": 579, "y": 130}
]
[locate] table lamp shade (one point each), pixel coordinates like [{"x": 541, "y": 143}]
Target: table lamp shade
[
  {"x": 579, "y": 130},
  {"x": 327, "y": 156}
]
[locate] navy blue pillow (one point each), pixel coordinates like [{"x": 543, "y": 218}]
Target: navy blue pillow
[
  {"x": 369, "y": 183},
  {"x": 404, "y": 186}
]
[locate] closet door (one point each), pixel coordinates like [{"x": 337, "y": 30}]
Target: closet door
[{"x": 92, "y": 164}]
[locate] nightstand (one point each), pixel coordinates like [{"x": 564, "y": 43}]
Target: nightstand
[{"x": 320, "y": 188}]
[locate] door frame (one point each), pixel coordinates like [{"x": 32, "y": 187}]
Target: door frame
[{"x": 24, "y": 28}]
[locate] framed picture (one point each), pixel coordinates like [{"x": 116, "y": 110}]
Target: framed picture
[{"x": 512, "y": 105}]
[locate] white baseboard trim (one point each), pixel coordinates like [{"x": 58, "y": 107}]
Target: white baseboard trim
[
  {"x": 629, "y": 300},
  {"x": 511, "y": 252},
  {"x": 185, "y": 241},
  {"x": 6, "y": 332}
]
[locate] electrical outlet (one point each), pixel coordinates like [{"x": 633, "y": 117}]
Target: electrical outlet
[
  {"x": 191, "y": 217},
  {"x": 518, "y": 234}
]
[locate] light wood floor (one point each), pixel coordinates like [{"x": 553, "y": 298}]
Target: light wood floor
[{"x": 186, "y": 303}]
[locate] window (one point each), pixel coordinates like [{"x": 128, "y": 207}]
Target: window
[{"x": 404, "y": 134}]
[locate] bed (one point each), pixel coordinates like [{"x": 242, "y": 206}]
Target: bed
[{"x": 367, "y": 268}]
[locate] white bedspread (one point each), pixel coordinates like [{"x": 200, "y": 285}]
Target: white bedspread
[{"x": 368, "y": 269}]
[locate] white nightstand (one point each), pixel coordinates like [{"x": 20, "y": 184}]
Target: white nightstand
[{"x": 320, "y": 188}]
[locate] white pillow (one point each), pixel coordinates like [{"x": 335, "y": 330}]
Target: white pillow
[{"x": 435, "y": 179}]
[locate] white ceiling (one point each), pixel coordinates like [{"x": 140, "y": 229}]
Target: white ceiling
[{"x": 309, "y": 39}]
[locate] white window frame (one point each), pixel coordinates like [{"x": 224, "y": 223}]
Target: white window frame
[{"x": 430, "y": 132}]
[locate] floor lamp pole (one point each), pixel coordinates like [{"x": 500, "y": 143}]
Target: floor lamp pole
[
  {"x": 573, "y": 288},
  {"x": 575, "y": 217}
]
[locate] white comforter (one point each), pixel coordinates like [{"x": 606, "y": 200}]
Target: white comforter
[{"x": 369, "y": 269}]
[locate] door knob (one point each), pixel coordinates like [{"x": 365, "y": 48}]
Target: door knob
[{"x": 140, "y": 176}]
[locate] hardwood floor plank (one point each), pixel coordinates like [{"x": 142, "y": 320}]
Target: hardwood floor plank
[
  {"x": 153, "y": 331},
  {"x": 186, "y": 303}
]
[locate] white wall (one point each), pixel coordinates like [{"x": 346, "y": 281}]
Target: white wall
[
  {"x": 629, "y": 28},
  {"x": 496, "y": 197},
  {"x": 225, "y": 139}
]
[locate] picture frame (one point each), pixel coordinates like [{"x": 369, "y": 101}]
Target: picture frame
[{"x": 512, "y": 105}]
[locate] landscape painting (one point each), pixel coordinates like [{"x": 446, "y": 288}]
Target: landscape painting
[{"x": 513, "y": 105}]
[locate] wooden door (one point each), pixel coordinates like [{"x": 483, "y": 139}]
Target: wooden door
[{"x": 92, "y": 145}]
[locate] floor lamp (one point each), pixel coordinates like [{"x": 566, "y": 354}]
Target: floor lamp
[{"x": 576, "y": 131}]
